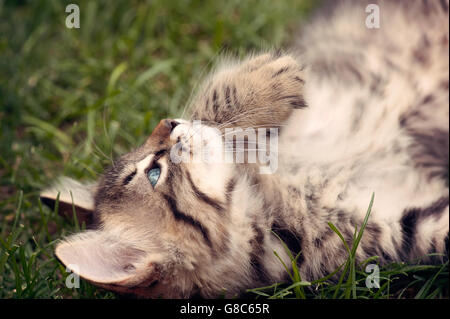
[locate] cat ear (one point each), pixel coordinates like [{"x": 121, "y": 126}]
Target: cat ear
[
  {"x": 104, "y": 259},
  {"x": 71, "y": 194}
]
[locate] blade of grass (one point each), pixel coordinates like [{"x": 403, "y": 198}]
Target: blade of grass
[
  {"x": 74, "y": 213},
  {"x": 424, "y": 290}
]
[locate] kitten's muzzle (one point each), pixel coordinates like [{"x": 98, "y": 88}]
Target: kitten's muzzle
[{"x": 161, "y": 134}]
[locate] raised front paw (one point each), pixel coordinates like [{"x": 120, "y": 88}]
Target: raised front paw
[{"x": 260, "y": 91}]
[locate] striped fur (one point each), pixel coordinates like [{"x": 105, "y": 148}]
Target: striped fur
[{"x": 359, "y": 110}]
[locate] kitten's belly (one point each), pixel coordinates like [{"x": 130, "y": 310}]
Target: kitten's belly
[{"x": 317, "y": 148}]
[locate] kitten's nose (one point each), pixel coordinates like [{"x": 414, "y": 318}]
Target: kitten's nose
[
  {"x": 165, "y": 127},
  {"x": 161, "y": 133},
  {"x": 171, "y": 123}
]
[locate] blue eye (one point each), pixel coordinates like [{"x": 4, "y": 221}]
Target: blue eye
[{"x": 153, "y": 175}]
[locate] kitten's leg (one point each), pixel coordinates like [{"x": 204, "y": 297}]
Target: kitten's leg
[{"x": 261, "y": 91}]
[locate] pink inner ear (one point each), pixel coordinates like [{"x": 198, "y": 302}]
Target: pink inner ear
[{"x": 99, "y": 258}]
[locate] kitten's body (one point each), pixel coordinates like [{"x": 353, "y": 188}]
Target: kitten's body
[
  {"x": 359, "y": 111},
  {"x": 377, "y": 122}
]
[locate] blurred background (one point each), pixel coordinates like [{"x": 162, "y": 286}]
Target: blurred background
[{"x": 72, "y": 100}]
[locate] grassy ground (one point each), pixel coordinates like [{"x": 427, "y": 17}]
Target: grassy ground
[{"x": 73, "y": 99}]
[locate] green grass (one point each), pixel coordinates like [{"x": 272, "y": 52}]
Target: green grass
[{"x": 71, "y": 100}]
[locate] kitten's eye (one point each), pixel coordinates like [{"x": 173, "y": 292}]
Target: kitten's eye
[{"x": 153, "y": 175}]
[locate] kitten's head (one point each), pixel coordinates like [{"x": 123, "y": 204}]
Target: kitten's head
[
  {"x": 157, "y": 217},
  {"x": 174, "y": 217}
]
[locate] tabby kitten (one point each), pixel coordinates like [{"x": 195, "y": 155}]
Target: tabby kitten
[{"x": 358, "y": 111}]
